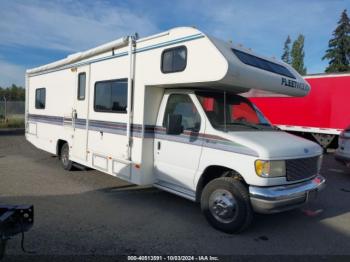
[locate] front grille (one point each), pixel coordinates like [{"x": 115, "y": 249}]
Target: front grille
[{"x": 299, "y": 169}]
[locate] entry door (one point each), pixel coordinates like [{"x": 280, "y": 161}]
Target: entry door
[
  {"x": 80, "y": 113},
  {"x": 177, "y": 156}
]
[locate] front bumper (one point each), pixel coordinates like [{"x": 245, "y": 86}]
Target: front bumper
[{"x": 281, "y": 198}]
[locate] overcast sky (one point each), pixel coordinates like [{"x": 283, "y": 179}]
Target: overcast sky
[{"x": 35, "y": 32}]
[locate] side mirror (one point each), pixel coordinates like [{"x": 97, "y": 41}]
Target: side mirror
[
  {"x": 197, "y": 126},
  {"x": 174, "y": 125}
]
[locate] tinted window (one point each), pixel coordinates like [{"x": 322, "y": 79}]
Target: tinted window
[
  {"x": 111, "y": 96},
  {"x": 40, "y": 98},
  {"x": 81, "y": 86},
  {"x": 174, "y": 59},
  {"x": 183, "y": 105},
  {"x": 244, "y": 111},
  {"x": 262, "y": 63},
  {"x": 226, "y": 110},
  {"x": 167, "y": 62}
]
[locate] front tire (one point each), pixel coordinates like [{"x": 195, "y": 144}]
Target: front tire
[
  {"x": 64, "y": 157},
  {"x": 226, "y": 205}
]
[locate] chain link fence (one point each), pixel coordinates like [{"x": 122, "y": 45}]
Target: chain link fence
[
  {"x": 12, "y": 109},
  {"x": 11, "y": 113}
]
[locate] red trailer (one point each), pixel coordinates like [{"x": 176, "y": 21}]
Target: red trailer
[{"x": 321, "y": 115}]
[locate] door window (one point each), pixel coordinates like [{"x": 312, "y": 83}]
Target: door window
[
  {"x": 81, "y": 85},
  {"x": 182, "y": 105}
]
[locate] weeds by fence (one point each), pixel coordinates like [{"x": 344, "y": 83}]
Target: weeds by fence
[{"x": 11, "y": 113}]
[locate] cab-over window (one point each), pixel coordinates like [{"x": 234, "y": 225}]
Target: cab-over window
[{"x": 174, "y": 59}]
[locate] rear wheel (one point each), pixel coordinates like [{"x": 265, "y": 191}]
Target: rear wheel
[
  {"x": 66, "y": 163},
  {"x": 226, "y": 205}
]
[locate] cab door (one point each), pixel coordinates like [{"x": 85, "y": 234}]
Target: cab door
[
  {"x": 80, "y": 113},
  {"x": 177, "y": 156}
]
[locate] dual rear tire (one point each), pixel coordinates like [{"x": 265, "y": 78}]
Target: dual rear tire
[{"x": 226, "y": 205}]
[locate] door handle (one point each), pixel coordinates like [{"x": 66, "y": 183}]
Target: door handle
[
  {"x": 74, "y": 114},
  {"x": 158, "y": 145}
]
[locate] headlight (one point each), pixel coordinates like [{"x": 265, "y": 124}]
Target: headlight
[{"x": 266, "y": 168}]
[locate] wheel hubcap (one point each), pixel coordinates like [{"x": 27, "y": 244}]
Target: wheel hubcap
[
  {"x": 222, "y": 205},
  {"x": 65, "y": 157}
]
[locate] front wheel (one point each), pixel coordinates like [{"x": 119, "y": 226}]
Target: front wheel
[
  {"x": 226, "y": 205},
  {"x": 66, "y": 163}
]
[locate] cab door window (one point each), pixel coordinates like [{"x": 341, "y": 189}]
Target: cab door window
[{"x": 179, "y": 104}]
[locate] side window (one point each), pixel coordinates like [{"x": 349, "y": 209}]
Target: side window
[
  {"x": 40, "y": 98},
  {"x": 262, "y": 63},
  {"x": 81, "y": 86},
  {"x": 182, "y": 105},
  {"x": 174, "y": 60},
  {"x": 111, "y": 96}
]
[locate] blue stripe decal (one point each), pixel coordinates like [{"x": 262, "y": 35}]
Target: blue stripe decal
[
  {"x": 149, "y": 131},
  {"x": 143, "y": 49}
]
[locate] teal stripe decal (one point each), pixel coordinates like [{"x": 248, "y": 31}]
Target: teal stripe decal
[
  {"x": 171, "y": 42},
  {"x": 143, "y": 49}
]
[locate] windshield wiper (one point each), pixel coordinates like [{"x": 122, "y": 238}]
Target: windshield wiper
[
  {"x": 269, "y": 125},
  {"x": 247, "y": 124}
]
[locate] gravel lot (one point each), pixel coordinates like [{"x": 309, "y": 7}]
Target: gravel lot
[{"x": 88, "y": 212}]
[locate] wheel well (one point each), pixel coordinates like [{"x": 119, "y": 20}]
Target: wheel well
[
  {"x": 212, "y": 172},
  {"x": 60, "y": 143}
]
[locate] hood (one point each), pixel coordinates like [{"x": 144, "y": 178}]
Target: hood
[{"x": 276, "y": 144}]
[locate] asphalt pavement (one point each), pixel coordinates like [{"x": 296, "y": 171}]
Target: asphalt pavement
[{"x": 91, "y": 213}]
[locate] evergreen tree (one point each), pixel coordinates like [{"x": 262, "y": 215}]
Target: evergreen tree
[
  {"x": 286, "y": 51},
  {"x": 338, "y": 52},
  {"x": 298, "y": 54},
  {"x": 12, "y": 93}
]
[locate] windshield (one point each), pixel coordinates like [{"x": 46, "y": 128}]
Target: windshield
[{"x": 229, "y": 112}]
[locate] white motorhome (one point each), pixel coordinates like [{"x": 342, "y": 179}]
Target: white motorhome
[{"x": 165, "y": 111}]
